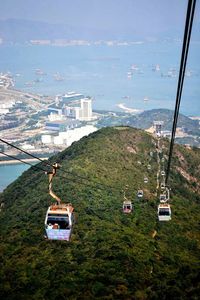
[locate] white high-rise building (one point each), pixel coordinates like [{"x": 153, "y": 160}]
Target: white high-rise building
[
  {"x": 72, "y": 112},
  {"x": 81, "y": 112},
  {"x": 86, "y": 109}
]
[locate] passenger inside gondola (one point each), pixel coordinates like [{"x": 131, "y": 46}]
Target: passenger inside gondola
[
  {"x": 58, "y": 225},
  {"x": 164, "y": 212}
]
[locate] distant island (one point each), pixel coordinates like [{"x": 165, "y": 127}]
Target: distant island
[{"x": 20, "y": 31}]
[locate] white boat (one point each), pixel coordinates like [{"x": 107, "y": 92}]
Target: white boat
[
  {"x": 156, "y": 68},
  {"x": 39, "y": 72},
  {"x": 58, "y": 77},
  {"x": 134, "y": 67},
  {"x": 129, "y": 74}
]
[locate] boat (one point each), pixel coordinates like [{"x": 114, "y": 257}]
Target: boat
[
  {"x": 37, "y": 80},
  {"x": 129, "y": 74},
  {"x": 39, "y": 72},
  {"x": 58, "y": 77},
  {"x": 29, "y": 83},
  {"x": 156, "y": 68},
  {"x": 134, "y": 67}
]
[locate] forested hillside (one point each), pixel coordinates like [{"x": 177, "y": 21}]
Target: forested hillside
[
  {"x": 145, "y": 120},
  {"x": 111, "y": 255}
]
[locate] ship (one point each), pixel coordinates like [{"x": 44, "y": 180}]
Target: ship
[
  {"x": 156, "y": 68},
  {"x": 29, "y": 83},
  {"x": 134, "y": 68},
  {"x": 58, "y": 77},
  {"x": 39, "y": 72},
  {"x": 129, "y": 75}
]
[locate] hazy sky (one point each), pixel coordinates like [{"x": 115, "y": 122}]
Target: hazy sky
[{"x": 156, "y": 15}]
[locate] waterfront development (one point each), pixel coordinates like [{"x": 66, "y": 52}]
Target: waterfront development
[
  {"x": 52, "y": 96},
  {"x": 99, "y": 169},
  {"x": 100, "y": 71}
]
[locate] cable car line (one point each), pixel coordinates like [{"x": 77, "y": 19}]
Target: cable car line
[
  {"x": 63, "y": 177},
  {"x": 164, "y": 211},
  {"x": 96, "y": 185},
  {"x": 185, "y": 49},
  {"x": 37, "y": 168},
  {"x": 22, "y": 161},
  {"x": 25, "y": 152},
  {"x": 77, "y": 178},
  {"x": 64, "y": 171}
]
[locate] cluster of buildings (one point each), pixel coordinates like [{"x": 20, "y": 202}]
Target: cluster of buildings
[
  {"x": 71, "y": 106},
  {"x": 67, "y": 137},
  {"x": 8, "y": 116},
  {"x": 6, "y": 80},
  {"x": 67, "y": 119},
  {"x": 6, "y": 106}
]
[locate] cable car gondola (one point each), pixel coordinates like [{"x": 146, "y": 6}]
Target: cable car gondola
[
  {"x": 163, "y": 198},
  {"x": 164, "y": 212},
  {"x": 127, "y": 207},
  {"x": 58, "y": 222},
  {"x": 59, "y": 217},
  {"x": 145, "y": 180},
  {"x": 140, "y": 193},
  {"x": 162, "y": 186}
]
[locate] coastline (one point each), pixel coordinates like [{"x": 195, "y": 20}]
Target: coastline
[
  {"x": 15, "y": 161},
  {"x": 128, "y": 109}
]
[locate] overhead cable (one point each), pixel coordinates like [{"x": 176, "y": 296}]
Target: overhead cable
[
  {"x": 185, "y": 49},
  {"x": 64, "y": 171}
]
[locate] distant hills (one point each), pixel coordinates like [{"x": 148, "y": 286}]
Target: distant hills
[
  {"x": 14, "y": 30},
  {"x": 21, "y": 31},
  {"x": 111, "y": 255},
  {"x": 145, "y": 120}
]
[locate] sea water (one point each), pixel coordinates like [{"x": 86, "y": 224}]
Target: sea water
[
  {"x": 8, "y": 173},
  {"x": 101, "y": 71}
]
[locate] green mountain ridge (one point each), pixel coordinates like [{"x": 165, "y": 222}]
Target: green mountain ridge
[
  {"x": 145, "y": 120},
  {"x": 111, "y": 255}
]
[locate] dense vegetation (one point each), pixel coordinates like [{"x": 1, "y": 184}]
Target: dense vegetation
[
  {"x": 111, "y": 255},
  {"x": 145, "y": 120}
]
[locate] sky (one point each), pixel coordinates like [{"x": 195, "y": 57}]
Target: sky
[{"x": 149, "y": 15}]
